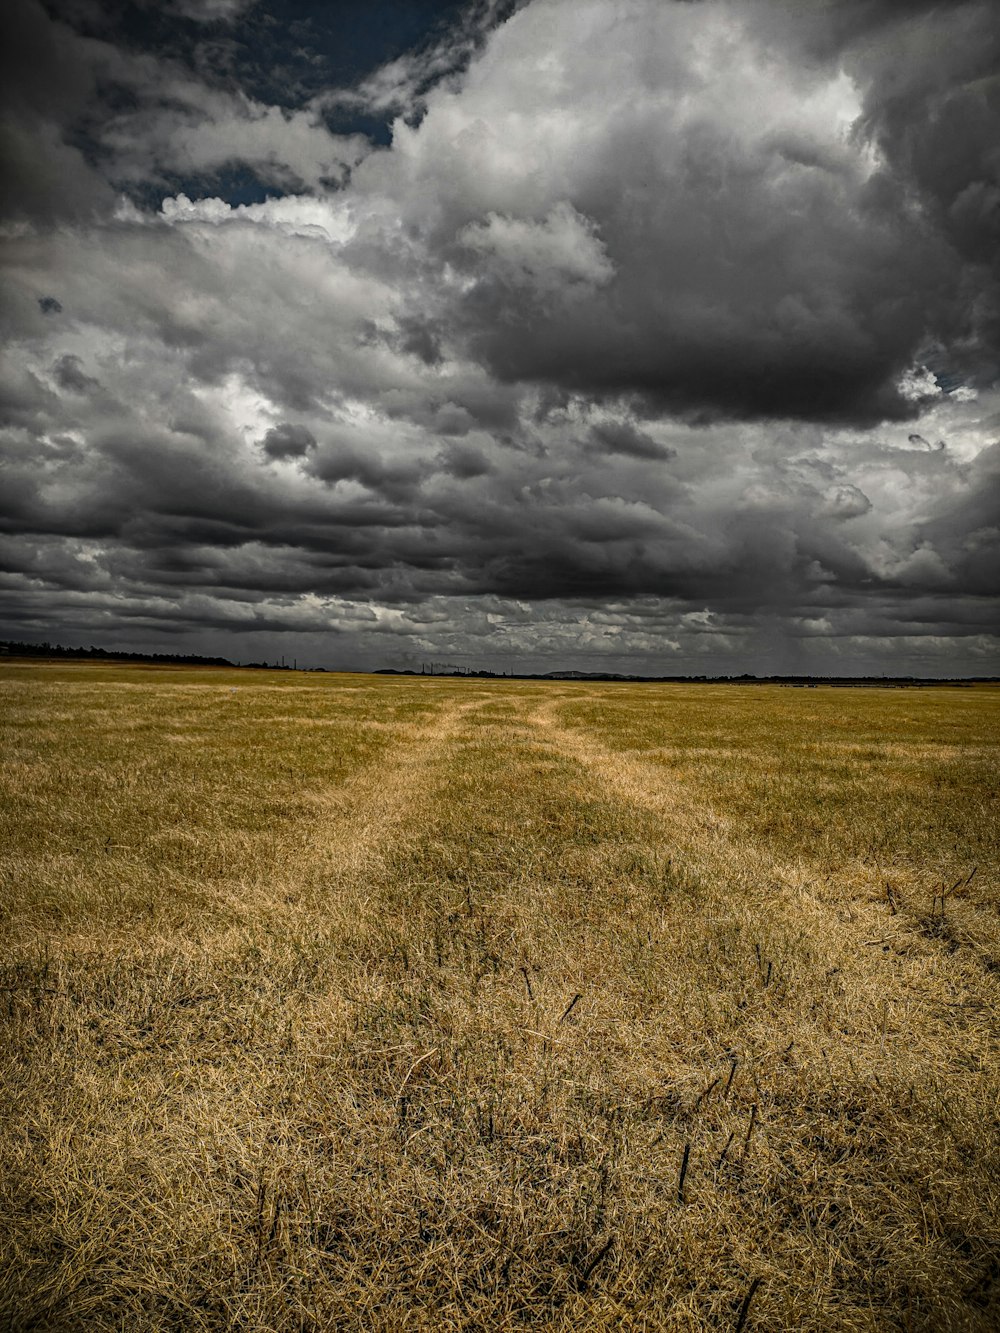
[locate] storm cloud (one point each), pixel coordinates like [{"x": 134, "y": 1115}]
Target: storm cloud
[{"x": 578, "y": 333}]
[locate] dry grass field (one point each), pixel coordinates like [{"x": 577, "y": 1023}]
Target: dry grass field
[{"x": 396, "y": 1004}]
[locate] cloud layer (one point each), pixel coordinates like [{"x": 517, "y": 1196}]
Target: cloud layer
[{"x": 628, "y": 350}]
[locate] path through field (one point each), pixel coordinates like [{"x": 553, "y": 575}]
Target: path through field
[{"x": 410, "y": 1004}]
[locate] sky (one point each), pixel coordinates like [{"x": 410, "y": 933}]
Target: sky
[{"x": 653, "y": 336}]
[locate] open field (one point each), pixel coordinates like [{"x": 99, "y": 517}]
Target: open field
[{"x": 396, "y": 1004}]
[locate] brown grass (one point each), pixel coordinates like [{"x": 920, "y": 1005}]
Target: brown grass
[{"x": 358, "y": 1003}]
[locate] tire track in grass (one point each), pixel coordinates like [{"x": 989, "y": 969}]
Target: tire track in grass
[
  {"x": 718, "y": 852},
  {"x": 881, "y": 1029},
  {"x": 368, "y": 813},
  {"x": 885, "y": 967},
  {"x": 498, "y": 1100},
  {"x": 191, "y": 1048},
  {"x": 283, "y": 823},
  {"x": 358, "y": 824}
]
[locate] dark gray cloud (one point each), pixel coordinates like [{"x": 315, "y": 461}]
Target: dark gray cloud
[
  {"x": 69, "y": 374},
  {"x": 587, "y": 364},
  {"x": 288, "y": 441},
  {"x": 918, "y": 440},
  {"x": 621, "y": 437},
  {"x": 928, "y": 76},
  {"x": 713, "y": 263}
]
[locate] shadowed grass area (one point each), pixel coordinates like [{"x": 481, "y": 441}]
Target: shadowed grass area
[{"x": 415, "y": 1004}]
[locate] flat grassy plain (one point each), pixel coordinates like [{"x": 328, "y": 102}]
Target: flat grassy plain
[{"x": 345, "y": 1002}]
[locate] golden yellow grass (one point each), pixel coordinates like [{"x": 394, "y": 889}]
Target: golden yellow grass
[{"x": 354, "y": 1003}]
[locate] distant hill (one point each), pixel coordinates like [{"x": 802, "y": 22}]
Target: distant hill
[
  {"x": 46, "y": 650},
  {"x": 801, "y": 682}
]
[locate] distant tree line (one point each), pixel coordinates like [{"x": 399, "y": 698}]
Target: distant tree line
[{"x": 12, "y": 648}]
